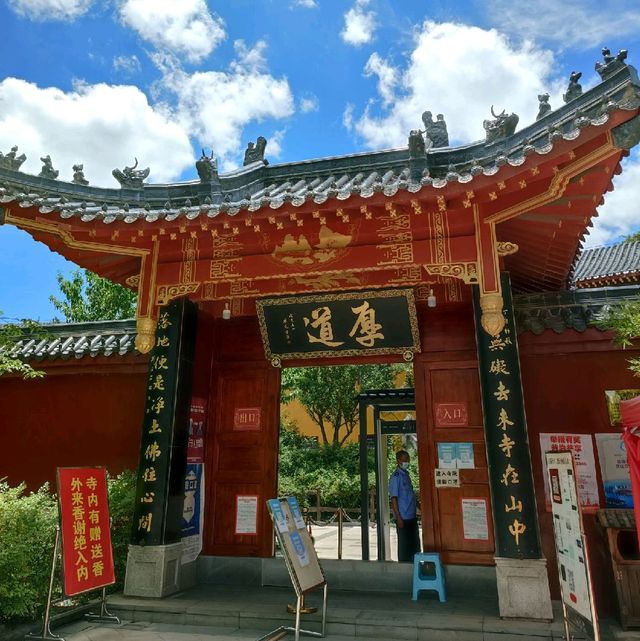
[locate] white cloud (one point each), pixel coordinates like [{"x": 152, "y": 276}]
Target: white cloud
[
  {"x": 50, "y": 9},
  {"x": 185, "y": 28},
  {"x": 100, "y": 125},
  {"x": 215, "y": 106},
  {"x": 129, "y": 65},
  {"x": 309, "y": 103},
  {"x": 620, "y": 214},
  {"x": 460, "y": 71},
  {"x": 570, "y": 23},
  {"x": 359, "y": 24},
  {"x": 275, "y": 143},
  {"x": 307, "y": 4},
  {"x": 387, "y": 77}
]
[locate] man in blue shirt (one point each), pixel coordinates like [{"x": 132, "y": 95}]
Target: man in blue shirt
[{"x": 403, "y": 504}]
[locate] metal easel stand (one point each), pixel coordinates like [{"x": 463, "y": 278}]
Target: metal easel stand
[
  {"x": 280, "y": 632},
  {"x": 105, "y": 616},
  {"x": 46, "y": 624}
]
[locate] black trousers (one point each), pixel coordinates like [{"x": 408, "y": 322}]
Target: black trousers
[{"x": 408, "y": 540}]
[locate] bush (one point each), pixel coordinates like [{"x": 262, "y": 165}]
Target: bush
[
  {"x": 27, "y": 526},
  {"x": 27, "y": 533}
]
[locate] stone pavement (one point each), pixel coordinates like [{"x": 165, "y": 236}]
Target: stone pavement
[{"x": 216, "y": 613}]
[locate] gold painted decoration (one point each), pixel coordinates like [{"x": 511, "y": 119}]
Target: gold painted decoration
[
  {"x": 506, "y": 248},
  {"x": 492, "y": 318},
  {"x": 467, "y": 272},
  {"x": 299, "y": 251},
  {"x": 166, "y": 293},
  {"x": 146, "y": 334}
]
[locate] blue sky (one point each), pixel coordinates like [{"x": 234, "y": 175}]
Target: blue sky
[{"x": 102, "y": 81}]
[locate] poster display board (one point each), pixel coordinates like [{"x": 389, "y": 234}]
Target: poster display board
[
  {"x": 614, "y": 468},
  {"x": 296, "y": 545},
  {"x": 87, "y": 556},
  {"x": 582, "y": 447},
  {"x": 571, "y": 546},
  {"x": 475, "y": 524}
]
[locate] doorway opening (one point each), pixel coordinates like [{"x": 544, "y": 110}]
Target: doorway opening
[{"x": 336, "y": 453}]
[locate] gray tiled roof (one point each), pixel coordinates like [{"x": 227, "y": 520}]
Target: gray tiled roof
[
  {"x": 270, "y": 187},
  {"x": 576, "y": 309},
  {"x": 602, "y": 265},
  {"x": 77, "y": 340}
]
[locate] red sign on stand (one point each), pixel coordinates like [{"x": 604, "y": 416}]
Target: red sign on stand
[{"x": 86, "y": 532}]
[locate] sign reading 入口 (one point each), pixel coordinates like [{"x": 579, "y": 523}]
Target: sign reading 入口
[
  {"x": 349, "y": 324},
  {"x": 85, "y": 527}
]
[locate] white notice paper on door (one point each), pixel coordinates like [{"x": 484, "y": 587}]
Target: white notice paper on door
[
  {"x": 246, "y": 515},
  {"x": 475, "y": 525}
]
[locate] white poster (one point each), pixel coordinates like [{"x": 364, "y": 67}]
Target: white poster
[
  {"x": 569, "y": 538},
  {"x": 582, "y": 447},
  {"x": 246, "y": 515},
  {"x": 475, "y": 524}
]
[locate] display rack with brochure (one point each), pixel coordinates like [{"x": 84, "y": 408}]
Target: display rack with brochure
[
  {"x": 578, "y": 607},
  {"x": 301, "y": 560}
]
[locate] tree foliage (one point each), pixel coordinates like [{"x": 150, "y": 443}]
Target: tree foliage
[
  {"x": 10, "y": 333},
  {"x": 624, "y": 321},
  {"x": 88, "y": 297},
  {"x": 329, "y": 394}
]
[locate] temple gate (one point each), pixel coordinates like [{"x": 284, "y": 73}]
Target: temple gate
[{"x": 446, "y": 223}]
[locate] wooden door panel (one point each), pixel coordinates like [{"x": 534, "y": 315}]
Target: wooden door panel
[
  {"x": 242, "y": 459},
  {"x": 451, "y": 382}
]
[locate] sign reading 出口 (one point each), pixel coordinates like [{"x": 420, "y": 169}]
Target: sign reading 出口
[
  {"x": 350, "y": 324},
  {"x": 247, "y": 419},
  {"x": 85, "y": 527}
]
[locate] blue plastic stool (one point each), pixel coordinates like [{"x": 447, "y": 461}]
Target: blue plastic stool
[{"x": 428, "y": 582}]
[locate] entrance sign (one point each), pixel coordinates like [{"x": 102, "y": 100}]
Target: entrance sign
[
  {"x": 571, "y": 546},
  {"x": 86, "y": 529},
  {"x": 332, "y": 325},
  {"x": 475, "y": 524},
  {"x": 451, "y": 415},
  {"x": 582, "y": 447},
  {"x": 246, "y": 514}
]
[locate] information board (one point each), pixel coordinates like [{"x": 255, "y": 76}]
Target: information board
[
  {"x": 571, "y": 546},
  {"x": 86, "y": 531},
  {"x": 296, "y": 545}
]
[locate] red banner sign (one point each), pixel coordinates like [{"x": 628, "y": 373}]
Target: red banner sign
[{"x": 86, "y": 532}]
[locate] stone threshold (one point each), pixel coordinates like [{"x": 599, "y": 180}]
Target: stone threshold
[{"x": 350, "y": 614}]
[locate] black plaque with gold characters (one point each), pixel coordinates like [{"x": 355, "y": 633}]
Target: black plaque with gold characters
[
  {"x": 509, "y": 460},
  {"x": 160, "y": 486},
  {"x": 348, "y": 324}
]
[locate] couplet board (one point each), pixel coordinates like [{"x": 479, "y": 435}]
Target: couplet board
[
  {"x": 296, "y": 545},
  {"x": 571, "y": 545}
]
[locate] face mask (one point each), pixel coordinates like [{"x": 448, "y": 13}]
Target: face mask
[{"x": 404, "y": 465}]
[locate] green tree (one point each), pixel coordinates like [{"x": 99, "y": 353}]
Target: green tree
[
  {"x": 624, "y": 320},
  {"x": 10, "y": 332},
  {"x": 632, "y": 238},
  {"x": 329, "y": 394},
  {"x": 88, "y": 297}
]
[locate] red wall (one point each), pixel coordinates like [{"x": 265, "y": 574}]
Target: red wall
[
  {"x": 564, "y": 378},
  {"x": 82, "y": 413}
]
